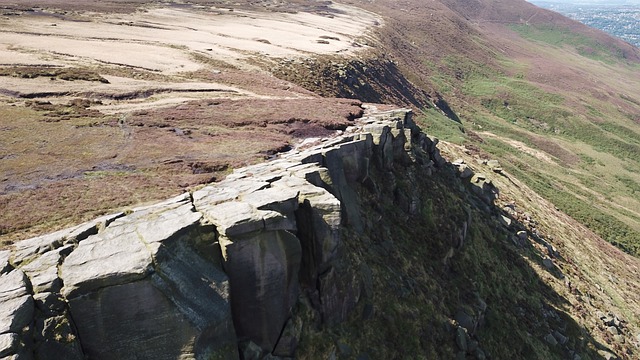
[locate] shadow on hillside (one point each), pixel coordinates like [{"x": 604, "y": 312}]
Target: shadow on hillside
[
  {"x": 375, "y": 79},
  {"x": 541, "y": 316},
  {"x": 451, "y": 276},
  {"x": 442, "y": 276}
]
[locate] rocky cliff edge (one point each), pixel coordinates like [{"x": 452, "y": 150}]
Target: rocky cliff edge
[{"x": 211, "y": 274}]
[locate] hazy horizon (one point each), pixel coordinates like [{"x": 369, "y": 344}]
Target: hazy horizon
[
  {"x": 618, "y": 17},
  {"x": 588, "y": 2}
]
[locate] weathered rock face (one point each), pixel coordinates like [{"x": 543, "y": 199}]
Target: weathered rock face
[
  {"x": 204, "y": 274},
  {"x": 141, "y": 281}
]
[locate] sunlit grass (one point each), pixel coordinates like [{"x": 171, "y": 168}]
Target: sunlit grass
[{"x": 594, "y": 144}]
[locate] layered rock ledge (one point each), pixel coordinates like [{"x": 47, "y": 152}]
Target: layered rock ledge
[{"x": 213, "y": 274}]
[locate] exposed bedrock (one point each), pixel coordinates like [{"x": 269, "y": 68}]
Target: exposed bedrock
[{"x": 222, "y": 273}]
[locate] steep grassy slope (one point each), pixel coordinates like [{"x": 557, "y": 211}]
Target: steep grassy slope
[
  {"x": 447, "y": 273},
  {"x": 591, "y": 144},
  {"x": 517, "y": 80},
  {"x": 428, "y": 279},
  {"x": 582, "y": 113}
]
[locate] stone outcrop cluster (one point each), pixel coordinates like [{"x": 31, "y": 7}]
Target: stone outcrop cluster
[{"x": 213, "y": 274}]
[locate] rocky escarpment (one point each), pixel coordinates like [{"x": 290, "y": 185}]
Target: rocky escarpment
[
  {"x": 218, "y": 273},
  {"x": 367, "y": 245}
]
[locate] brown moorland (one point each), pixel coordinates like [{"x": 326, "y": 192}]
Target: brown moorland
[
  {"x": 86, "y": 165},
  {"x": 94, "y": 94}
]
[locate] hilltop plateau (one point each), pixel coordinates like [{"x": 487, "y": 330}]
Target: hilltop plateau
[
  {"x": 91, "y": 101},
  {"x": 521, "y": 241}
]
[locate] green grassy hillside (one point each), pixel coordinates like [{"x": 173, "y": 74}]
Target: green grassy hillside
[
  {"x": 584, "y": 125},
  {"x": 558, "y": 102}
]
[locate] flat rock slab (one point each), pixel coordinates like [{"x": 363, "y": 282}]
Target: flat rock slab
[
  {"x": 281, "y": 199},
  {"x": 234, "y": 217},
  {"x": 106, "y": 261},
  {"x": 13, "y": 285},
  {"x": 214, "y": 195},
  {"x": 159, "y": 224},
  {"x": 124, "y": 251},
  {"x": 26, "y": 250},
  {"x": 43, "y": 271},
  {"x": 248, "y": 185}
]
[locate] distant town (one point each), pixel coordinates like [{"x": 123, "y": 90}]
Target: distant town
[{"x": 621, "y": 20}]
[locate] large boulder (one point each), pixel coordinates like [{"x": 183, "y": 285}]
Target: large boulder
[
  {"x": 140, "y": 290},
  {"x": 263, "y": 269},
  {"x": 261, "y": 256}
]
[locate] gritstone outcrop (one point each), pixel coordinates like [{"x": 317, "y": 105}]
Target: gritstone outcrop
[{"x": 212, "y": 274}]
